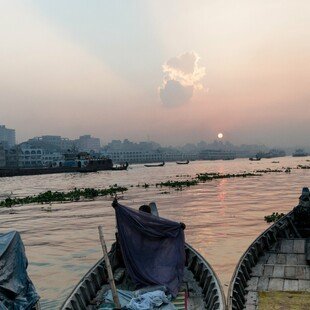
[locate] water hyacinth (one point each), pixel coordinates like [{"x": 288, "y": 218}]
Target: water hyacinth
[{"x": 74, "y": 195}]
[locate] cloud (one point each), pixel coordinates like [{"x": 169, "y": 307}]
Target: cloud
[
  {"x": 174, "y": 93},
  {"x": 182, "y": 75}
]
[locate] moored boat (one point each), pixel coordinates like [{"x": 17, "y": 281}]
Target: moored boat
[
  {"x": 277, "y": 262},
  {"x": 183, "y": 162},
  {"x": 155, "y": 165},
  {"x": 200, "y": 288},
  {"x": 300, "y": 153},
  {"x": 254, "y": 158}
]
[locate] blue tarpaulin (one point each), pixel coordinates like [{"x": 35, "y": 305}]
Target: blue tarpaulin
[
  {"x": 16, "y": 289},
  {"x": 152, "y": 248}
]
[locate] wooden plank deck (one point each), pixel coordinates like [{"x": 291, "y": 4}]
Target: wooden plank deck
[{"x": 283, "y": 268}]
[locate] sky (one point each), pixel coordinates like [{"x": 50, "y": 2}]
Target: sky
[{"x": 171, "y": 71}]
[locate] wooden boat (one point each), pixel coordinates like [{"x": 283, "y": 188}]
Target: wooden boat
[
  {"x": 204, "y": 290},
  {"x": 183, "y": 162},
  {"x": 277, "y": 261},
  {"x": 254, "y": 158},
  {"x": 155, "y": 165},
  {"x": 201, "y": 288}
]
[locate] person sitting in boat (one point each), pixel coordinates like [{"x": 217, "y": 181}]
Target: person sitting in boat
[{"x": 148, "y": 209}]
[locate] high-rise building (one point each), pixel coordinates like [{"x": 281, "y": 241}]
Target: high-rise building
[
  {"x": 87, "y": 143},
  {"x": 7, "y": 137}
]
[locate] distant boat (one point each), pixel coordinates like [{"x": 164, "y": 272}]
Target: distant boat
[
  {"x": 120, "y": 167},
  {"x": 254, "y": 158},
  {"x": 155, "y": 165},
  {"x": 183, "y": 162},
  {"x": 271, "y": 154},
  {"x": 300, "y": 153}
]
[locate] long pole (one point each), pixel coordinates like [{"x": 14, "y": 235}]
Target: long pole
[{"x": 108, "y": 265}]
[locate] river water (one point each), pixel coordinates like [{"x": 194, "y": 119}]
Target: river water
[{"x": 222, "y": 216}]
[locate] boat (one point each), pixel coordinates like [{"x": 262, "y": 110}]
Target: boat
[
  {"x": 183, "y": 162},
  {"x": 255, "y": 158},
  {"x": 271, "y": 154},
  {"x": 201, "y": 288},
  {"x": 277, "y": 261},
  {"x": 91, "y": 165},
  {"x": 300, "y": 153},
  {"x": 155, "y": 165},
  {"x": 121, "y": 167}
]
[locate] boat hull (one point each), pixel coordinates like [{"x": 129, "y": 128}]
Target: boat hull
[
  {"x": 275, "y": 261},
  {"x": 154, "y": 165},
  {"x": 90, "y": 284}
]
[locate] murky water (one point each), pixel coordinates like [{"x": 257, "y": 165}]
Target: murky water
[{"x": 222, "y": 216}]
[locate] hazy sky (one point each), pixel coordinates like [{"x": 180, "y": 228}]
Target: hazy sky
[{"x": 169, "y": 70}]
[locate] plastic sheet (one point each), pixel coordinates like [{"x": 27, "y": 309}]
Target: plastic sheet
[
  {"x": 152, "y": 248},
  {"x": 16, "y": 288}
]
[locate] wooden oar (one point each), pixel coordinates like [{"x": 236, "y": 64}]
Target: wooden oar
[{"x": 108, "y": 265}]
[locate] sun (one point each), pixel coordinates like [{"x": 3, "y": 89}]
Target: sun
[{"x": 220, "y": 135}]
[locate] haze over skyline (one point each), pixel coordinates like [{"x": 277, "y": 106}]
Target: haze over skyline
[{"x": 171, "y": 71}]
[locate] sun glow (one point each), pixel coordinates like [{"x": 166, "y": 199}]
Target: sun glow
[{"x": 220, "y": 135}]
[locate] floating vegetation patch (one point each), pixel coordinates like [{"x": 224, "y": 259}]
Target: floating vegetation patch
[
  {"x": 303, "y": 167},
  {"x": 145, "y": 185},
  {"x": 183, "y": 176},
  {"x": 178, "y": 184},
  {"x": 275, "y": 216},
  {"x": 268, "y": 170},
  {"x": 74, "y": 195},
  {"x": 211, "y": 176}
]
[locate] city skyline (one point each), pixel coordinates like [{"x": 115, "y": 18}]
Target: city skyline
[
  {"x": 218, "y": 139},
  {"x": 135, "y": 70}
]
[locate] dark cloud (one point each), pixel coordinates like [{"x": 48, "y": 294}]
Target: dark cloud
[{"x": 173, "y": 93}]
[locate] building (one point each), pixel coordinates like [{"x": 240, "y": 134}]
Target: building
[
  {"x": 140, "y": 156},
  {"x": 12, "y": 157},
  {"x": 50, "y": 159},
  {"x": 7, "y": 137},
  {"x": 142, "y": 152},
  {"x": 2, "y": 156},
  {"x": 216, "y": 155},
  {"x": 87, "y": 143},
  {"x": 31, "y": 156},
  {"x": 52, "y": 143},
  {"x": 135, "y": 156}
]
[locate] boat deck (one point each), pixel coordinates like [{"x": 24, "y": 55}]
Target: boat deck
[
  {"x": 283, "y": 268},
  {"x": 190, "y": 296}
]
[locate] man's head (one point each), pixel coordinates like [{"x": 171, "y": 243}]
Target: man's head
[{"x": 145, "y": 208}]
